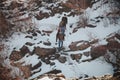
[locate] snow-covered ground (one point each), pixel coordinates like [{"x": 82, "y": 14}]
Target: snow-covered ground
[{"x": 71, "y": 68}]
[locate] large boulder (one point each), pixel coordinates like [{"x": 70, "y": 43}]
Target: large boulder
[
  {"x": 113, "y": 42},
  {"x": 44, "y": 52},
  {"x": 113, "y": 45},
  {"x": 98, "y": 51},
  {"x": 77, "y": 4},
  {"x": 79, "y": 45},
  {"x": 15, "y": 55}
]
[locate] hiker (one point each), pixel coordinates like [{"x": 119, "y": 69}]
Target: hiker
[
  {"x": 62, "y": 25},
  {"x": 60, "y": 37},
  {"x": 61, "y": 32}
]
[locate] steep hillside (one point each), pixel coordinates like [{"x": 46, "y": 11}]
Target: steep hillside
[{"x": 28, "y": 47}]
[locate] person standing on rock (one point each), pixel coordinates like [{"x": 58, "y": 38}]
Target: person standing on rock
[{"x": 61, "y": 32}]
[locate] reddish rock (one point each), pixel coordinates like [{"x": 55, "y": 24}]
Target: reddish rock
[
  {"x": 26, "y": 71},
  {"x": 113, "y": 45},
  {"x": 44, "y": 52},
  {"x": 17, "y": 78},
  {"x": 98, "y": 51},
  {"x": 72, "y": 46},
  {"x": 77, "y": 4},
  {"x": 42, "y": 15},
  {"x": 79, "y": 45},
  {"x": 110, "y": 39},
  {"x": 15, "y": 4},
  {"x": 5, "y": 73},
  {"x": 45, "y": 60},
  {"x": 3, "y": 25},
  {"x": 84, "y": 46},
  {"x": 15, "y": 55}
]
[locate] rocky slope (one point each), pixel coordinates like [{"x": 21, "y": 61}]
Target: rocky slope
[{"x": 19, "y": 16}]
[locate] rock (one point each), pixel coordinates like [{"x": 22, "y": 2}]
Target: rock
[
  {"x": 98, "y": 51},
  {"x": 52, "y": 63},
  {"x": 24, "y": 50},
  {"x": 113, "y": 45},
  {"x": 17, "y": 78},
  {"x": 47, "y": 61},
  {"x": 4, "y": 29},
  {"x": 15, "y": 55},
  {"x": 1, "y": 47},
  {"x": 29, "y": 37},
  {"x": 57, "y": 56},
  {"x": 42, "y": 15},
  {"x": 38, "y": 31},
  {"x": 75, "y": 30},
  {"x": 15, "y": 4},
  {"x": 5, "y": 73},
  {"x": 87, "y": 54},
  {"x": 83, "y": 46},
  {"x": 116, "y": 74},
  {"x": 76, "y": 57},
  {"x": 52, "y": 57},
  {"x": 91, "y": 26},
  {"x": 62, "y": 59},
  {"x": 26, "y": 71},
  {"x": 47, "y": 43},
  {"x": 79, "y": 45},
  {"x": 117, "y": 36},
  {"x": 34, "y": 34},
  {"x": 36, "y": 66},
  {"x": 77, "y": 4},
  {"x": 30, "y": 31},
  {"x": 29, "y": 43},
  {"x": 57, "y": 79},
  {"x": 54, "y": 72},
  {"x": 44, "y": 52},
  {"x": 48, "y": 32},
  {"x": 94, "y": 41},
  {"x": 36, "y": 72}
]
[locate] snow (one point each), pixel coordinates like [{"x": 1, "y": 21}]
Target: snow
[
  {"x": 71, "y": 68},
  {"x": 45, "y": 78},
  {"x": 30, "y": 60},
  {"x": 99, "y": 67}
]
